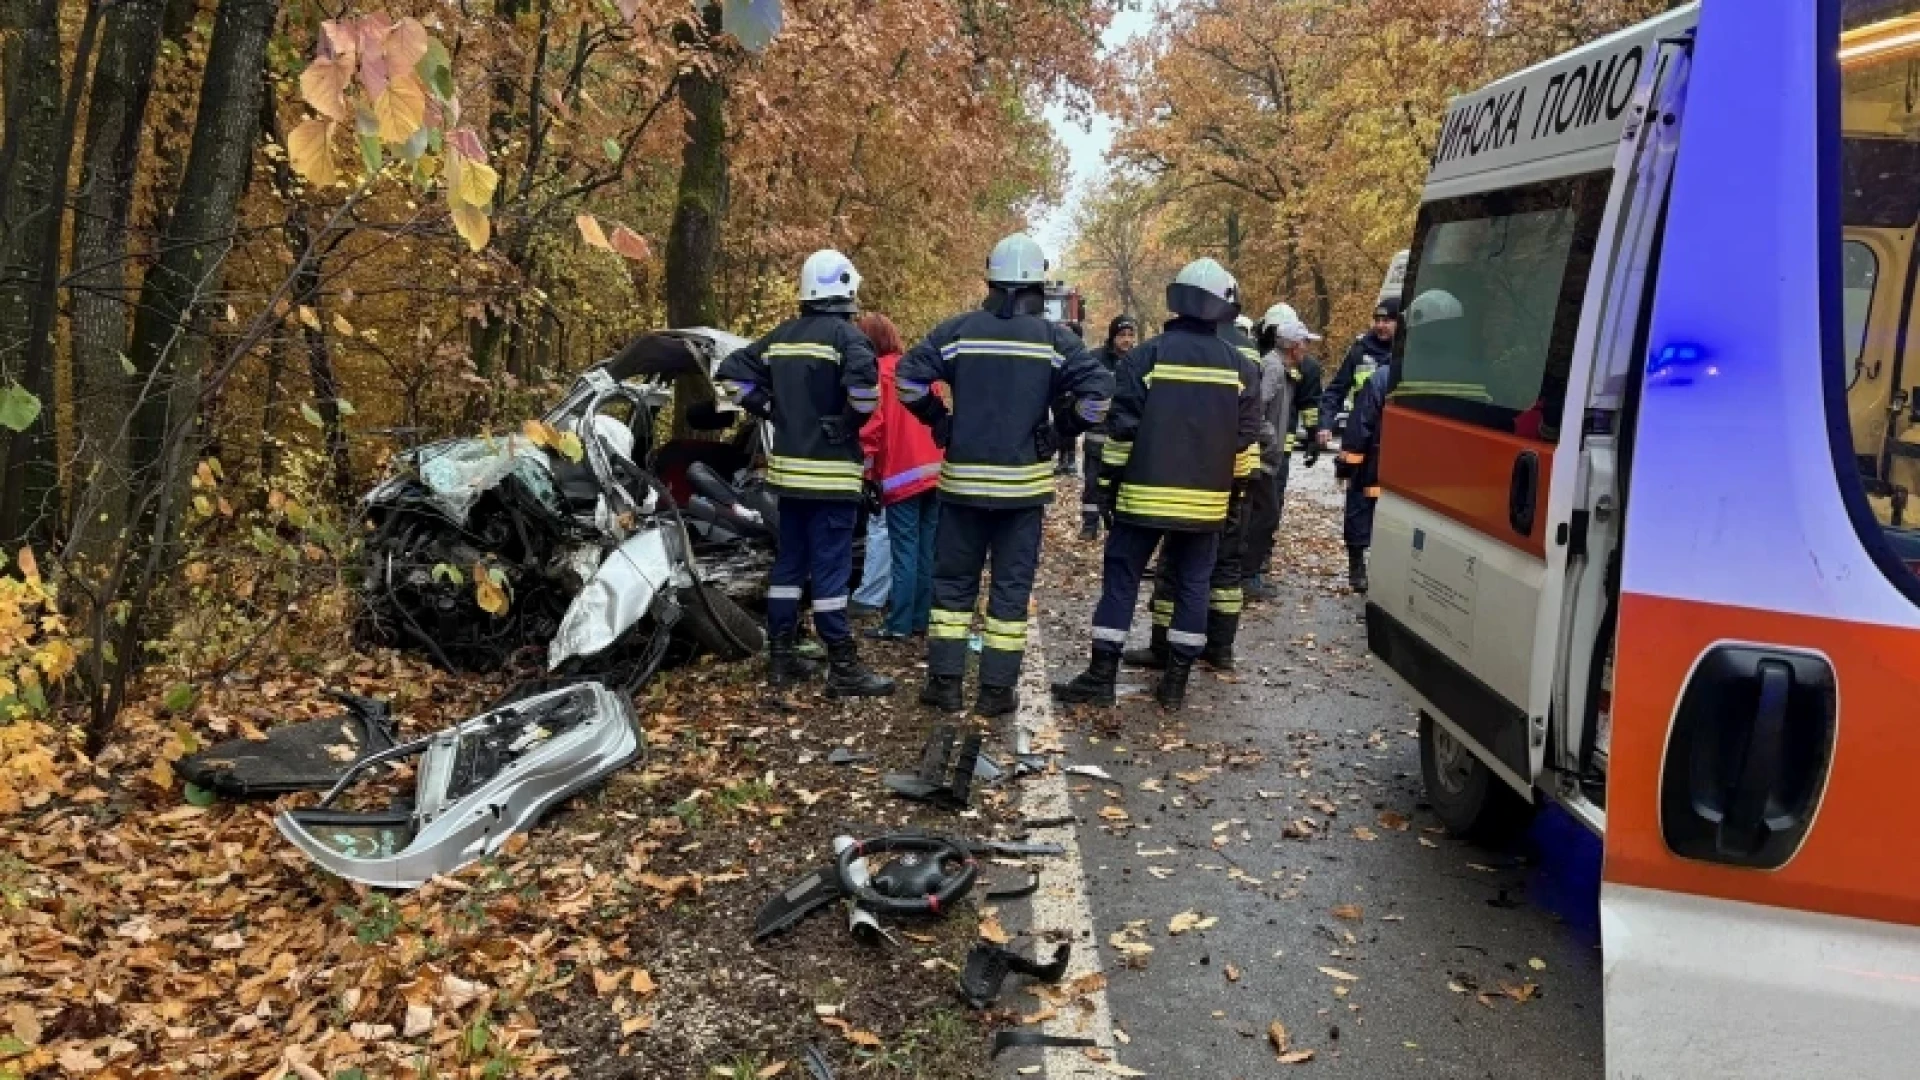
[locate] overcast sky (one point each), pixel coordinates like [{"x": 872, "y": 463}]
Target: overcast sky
[{"x": 1087, "y": 146}]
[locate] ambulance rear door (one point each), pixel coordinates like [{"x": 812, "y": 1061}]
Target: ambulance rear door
[
  {"x": 1760, "y": 906},
  {"x": 1480, "y": 453}
]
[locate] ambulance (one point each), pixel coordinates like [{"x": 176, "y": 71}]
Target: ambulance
[{"x": 1646, "y": 545}]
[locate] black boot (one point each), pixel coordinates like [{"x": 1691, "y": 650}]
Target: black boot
[
  {"x": 943, "y": 693},
  {"x": 848, "y": 677},
  {"x": 996, "y": 701},
  {"x": 1093, "y": 686},
  {"x": 1172, "y": 691},
  {"x": 1222, "y": 629},
  {"x": 1154, "y": 656},
  {"x": 785, "y": 666},
  {"x": 1258, "y": 588},
  {"x": 1357, "y": 568}
]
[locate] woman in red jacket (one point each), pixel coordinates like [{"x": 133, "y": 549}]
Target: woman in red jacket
[{"x": 904, "y": 462}]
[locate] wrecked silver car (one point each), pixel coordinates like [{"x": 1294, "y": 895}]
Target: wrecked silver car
[
  {"x": 576, "y": 545},
  {"x": 475, "y": 785}
]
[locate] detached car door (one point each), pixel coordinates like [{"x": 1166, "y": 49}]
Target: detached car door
[{"x": 1761, "y": 905}]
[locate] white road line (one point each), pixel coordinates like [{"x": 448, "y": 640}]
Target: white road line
[{"x": 1062, "y": 904}]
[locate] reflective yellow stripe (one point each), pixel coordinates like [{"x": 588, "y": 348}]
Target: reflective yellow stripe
[
  {"x": 817, "y": 466},
  {"x": 1116, "y": 452},
  {"x": 948, "y": 624},
  {"x": 1004, "y": 642},
  {"x": 1184, "y": 504},
  {"x": 1163, "y": 605},
  {"x": 1184, "y": 373},
  {"x": 1226, "y": 601},
  {"x": 1310, "y": 417},
  {"x": 1225, "y": 594},
  {"x": 1006, "y": 626},
  {"x": 830, "y": 485},
  {"x": 1025, "y": 350},
  {"x": 1293, "y": 442},
  {"x": 1248, "y": 461},
  {"x": 993, "y": 490},
  {"x": 1039, "y": 470},
  {"x": 1163, "y": 613},
  {"x": 796, "y": 351}
]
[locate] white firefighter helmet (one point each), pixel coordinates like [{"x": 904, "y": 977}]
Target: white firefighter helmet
[
  {"x": 1204, "y": 290},
  {"x": 1287, "y": 325},
  {"x": 1243, "y": 324},
  {"x": 1434, "y": 306},
  {"x": 1017, "y": 260},
  {"x": 828, "y": 275}
]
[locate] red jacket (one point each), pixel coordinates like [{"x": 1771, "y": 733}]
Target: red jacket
[{"x": 904, "y": 460}]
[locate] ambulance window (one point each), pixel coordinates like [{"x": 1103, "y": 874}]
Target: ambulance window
[
  {"x": 1859, "y": 270},
  {"x": 1494, "y": 293},
  {"x": 1875, "y": 138}
]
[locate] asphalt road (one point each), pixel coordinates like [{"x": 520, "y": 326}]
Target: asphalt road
[{"x": 1286, "y": 804}]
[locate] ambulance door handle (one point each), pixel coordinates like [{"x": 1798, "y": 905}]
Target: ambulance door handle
[
  {"x": 1747, "y": 758},
  {"x": 1758, "y": 778},
  {"x": 1521, "y": 492}
]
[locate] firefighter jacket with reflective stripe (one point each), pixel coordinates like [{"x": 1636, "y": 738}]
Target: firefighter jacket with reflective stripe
[
  {"x": 1363, "y": 356},
  {"x": 819, "y": 375},
  {"x": 1110, "y": 360},
  {"x": 1248, "y": 462},
  {"x": 1004, "y": 372},
  {"x": 1187, "y": 407},
  {"x": 1360, "y": 445}
]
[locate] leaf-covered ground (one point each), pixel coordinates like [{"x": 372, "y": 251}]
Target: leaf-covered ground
[{"x": 144, "y": 936}]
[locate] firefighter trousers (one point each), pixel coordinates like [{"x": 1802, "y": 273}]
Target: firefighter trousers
[
  {"x": 1092, "y": 446},
  {"x": 967, "y": 541},
  {"x": 1266, "y": 499},
  {"x": 1186, "y": 558},
  {"x": 1358, "y": 528},
  {"x": 816, "y": 545},
  {"x": 1224, "y": 597}
]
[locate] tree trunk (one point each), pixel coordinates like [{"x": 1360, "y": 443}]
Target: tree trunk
[
  {"x": 30, "y": 184},
  {"x": 170, "y": 341},
  {"x": 102, "y": 389},
  {"x": 693, "y": 245},
  {"x": 307, "y": 293},
  {"x": 488, "y": 331}
]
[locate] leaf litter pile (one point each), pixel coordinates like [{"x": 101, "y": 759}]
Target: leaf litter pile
[{"x": 144, "y": 936}]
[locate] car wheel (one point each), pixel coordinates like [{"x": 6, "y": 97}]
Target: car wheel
[
  {"x": 721, "y": 626},
  {"x": 1472, "y": 802}
]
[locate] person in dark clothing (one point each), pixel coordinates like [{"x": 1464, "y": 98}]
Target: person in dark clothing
[
  {"x": 1186, "y": 408},
  {"x": 1225, "y": 588},
  {"x": 1006, "y": 366},
  {"x": 1437, "y": 313},
  {"x": 1121, "y": 334},
  {"x": 1289, "y": 398},
  {"x": 816, "y": 378},
  {"x": 1069, "y": 449},
  {"x": 1367, "y": 353}
]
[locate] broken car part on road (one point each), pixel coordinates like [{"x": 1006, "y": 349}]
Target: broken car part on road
[
  {"x": 945, "y": 780},
  {"x": 476, "y": 784},
  {"x": 988, "y": 966},
  {"x": 305, "y": 756},
  {"x": 929, "y": 874}
]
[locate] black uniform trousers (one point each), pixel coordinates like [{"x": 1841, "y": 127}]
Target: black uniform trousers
[
  {"x": 968, "y": 538},
  {"x": 1358, "y": 527},
  {"x": 1224, "y": 596},
  {"x": 1091, "y": 447},
  {"x": 816, "y": 546},
  {"x": 1266, "y": 497},
  {"x": 1186, "y": 557}
]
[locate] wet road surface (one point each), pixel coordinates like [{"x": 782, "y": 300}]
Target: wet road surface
[{"x": 1280, "y": 822}]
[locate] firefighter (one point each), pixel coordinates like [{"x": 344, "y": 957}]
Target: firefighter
[
  {"x": 1187, "y": 406},
  {"x": 1367, "y": 353},
  {"x": 815, "y": 377},
  {"x": 1289, "y": 398},
  {"x": 1225, "y": 593},
  {"x": 1442, "y": 321},
  {"x": 1121, "y": 334},
  {"x": 1006, "y": 365}
]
